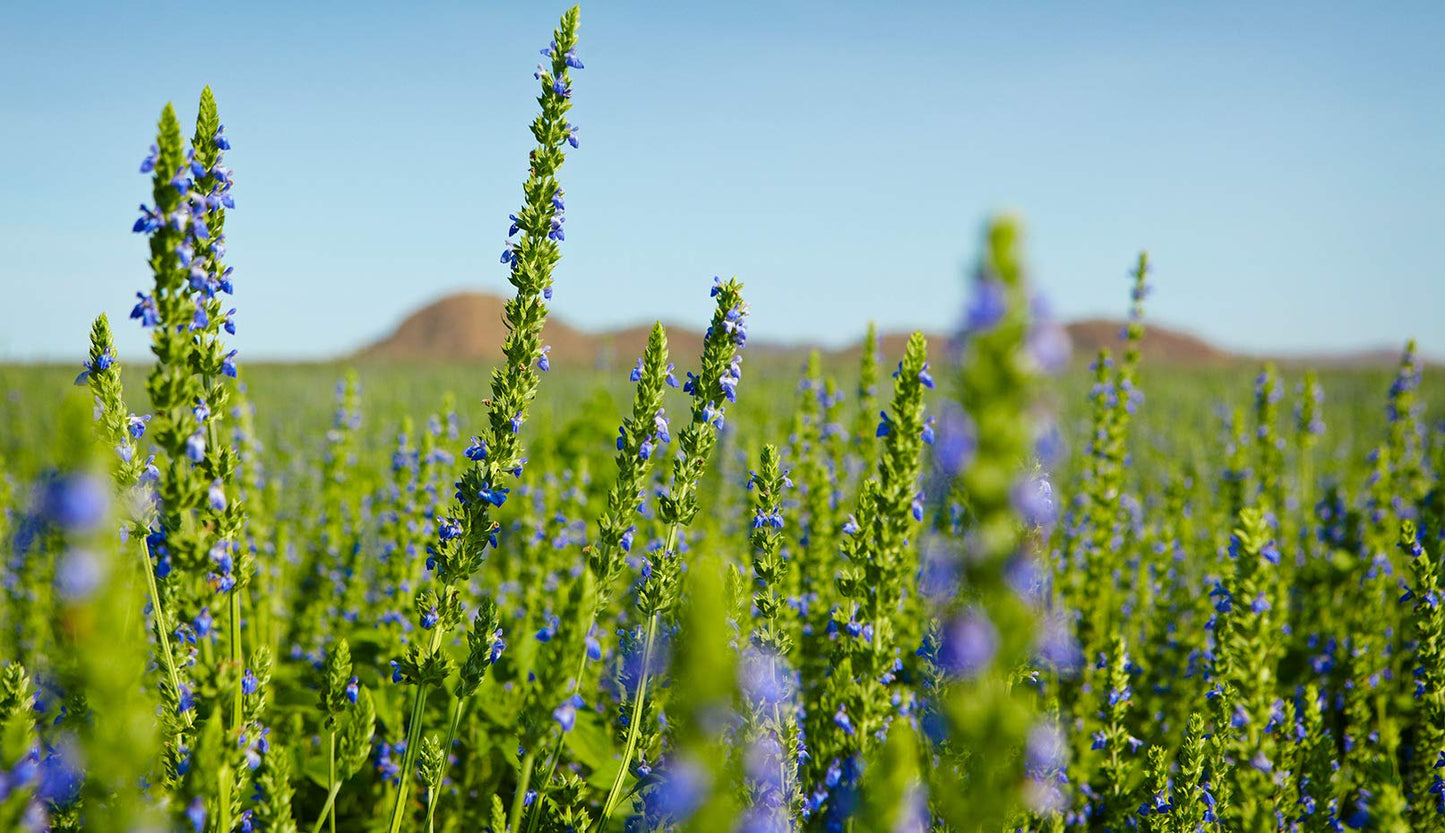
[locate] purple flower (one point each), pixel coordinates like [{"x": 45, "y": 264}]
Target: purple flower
[
  {"x": 216, "y": 495},
  {"x": 196, "y": 447},
  {"x": 137, "y": 425},
  {"x": 78, "y": 575},
  {"x": 495, "y": 495},
  {"x": 1033, "y": 497},
  {"x": 75, "y": 503},
  {"x": 146, "y": 311},
  {"x": 987, "y": 307},
  {"x": 683, "y": 786},
  {"x": 969, "y": 643},
  {"x": 566, "y": 713}
]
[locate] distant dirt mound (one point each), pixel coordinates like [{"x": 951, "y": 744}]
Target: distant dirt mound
[
  {"x": 1161, "y": 345},
  {"x": 468, "y": 327}
]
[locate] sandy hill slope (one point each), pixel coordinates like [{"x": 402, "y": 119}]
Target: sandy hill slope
[{"x": 469, "y": 327}]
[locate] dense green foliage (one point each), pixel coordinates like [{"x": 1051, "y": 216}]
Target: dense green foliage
[{"x": 970, "y": 586}]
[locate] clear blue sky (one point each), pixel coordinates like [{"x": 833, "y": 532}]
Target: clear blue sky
[{"x": 1283, "y": 163}]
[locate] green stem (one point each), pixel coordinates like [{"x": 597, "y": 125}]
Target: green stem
[
  {"x": 235, "y": 633},
  {"x": 524, "y": 782},
  {"x": 633, "y": 730},
  {"x": 634, "y": 726},
  {"x": 431, "y": 805},
  {"x": 332, "y": 788},
  {"x": 159, "y": 616},
  {"x": 413, "y": 735},
  {"x": 223, "y": 796},
  {"x": 326, "y": 810},
  {"x": 556, "y": 757}
]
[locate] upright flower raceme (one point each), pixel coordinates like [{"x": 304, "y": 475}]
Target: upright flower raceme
[{"x": 531, "y": 260}]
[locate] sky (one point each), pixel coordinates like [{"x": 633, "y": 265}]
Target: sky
[{"x": 1282, "y": 163}]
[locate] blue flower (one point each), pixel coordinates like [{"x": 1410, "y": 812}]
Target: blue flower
[
  {"x": 146, "y": 311},
  {"x": 222, "y": 143},
  {"x": 987, "y": 307},
  {"x": 498, "y": 646},
  {"x": 430, "y": 618},
  {"x": 495, "y": 495},
  {"x": 196, "y": 812},
  {"x": 968, "y": 644},
  {"x": 216, "y": 495},
  {"x": 230, "y": 322},
  {"x": 228, "y": 364},
  {"x": 477, "y": 451},
  {"x": 885, "y": 426},
  {"x": 572, "y": 60},
  {"x": 566, "y": 713},
  {"x": 136, "y": 425},
  {"x": 196, "y": 447},
  {"x": 249, "y": 683},
  {"x": 78, "y": 575},
  {"x": 549, "y": 628},
  {"x": 543, "y": 363}
]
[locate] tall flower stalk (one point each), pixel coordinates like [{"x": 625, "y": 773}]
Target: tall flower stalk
[{"x": 497, "y": 456}]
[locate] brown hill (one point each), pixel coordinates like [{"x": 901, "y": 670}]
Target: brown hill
[
  {"x": 468, "y": 327},
  {"x": 1161, "y": 344}
]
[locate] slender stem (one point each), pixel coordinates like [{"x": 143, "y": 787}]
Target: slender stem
[
  {"x": 159, "y": 616},
  {"x": 326, "y": 810},
  {"x": 524, "y": 782},
  {"x": 332, "y": 788},
  {"x": 235, "y": 633},
  {"x": 615, "y": 794},
  {"x": 331, "y": 784},
  {"x": 431, "y": 805},
  {"x": 223, "y": 796},
  {"x": 556, "y": 756},
  {"x": 413, "y": 735},
  {"x": 634, "y": 726}
]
